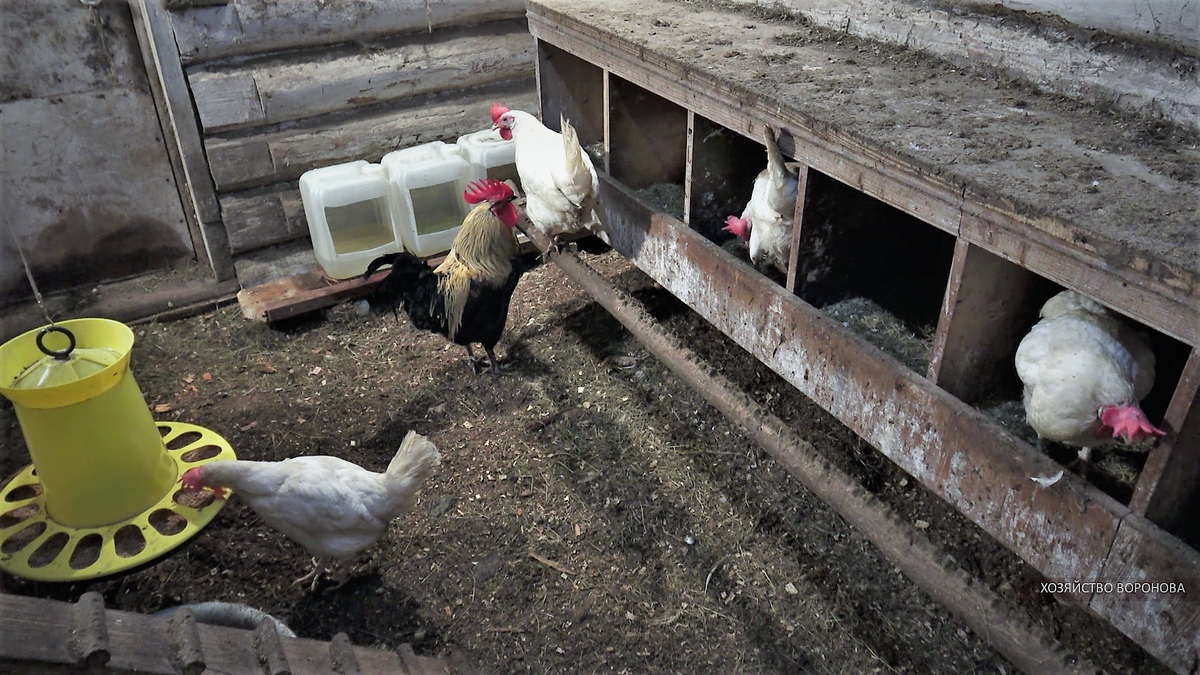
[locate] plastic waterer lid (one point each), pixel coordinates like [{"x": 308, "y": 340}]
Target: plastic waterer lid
[
  {"x": 484, "y": 138},
  {"x": 65, "y": 365}
]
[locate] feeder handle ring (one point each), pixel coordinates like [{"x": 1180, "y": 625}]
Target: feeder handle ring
[{"x": 60, "y": 354}]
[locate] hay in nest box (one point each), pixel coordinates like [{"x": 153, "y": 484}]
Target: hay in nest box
[
  {"x": 666, "y": 197},
  {"x": 884, "y": 330}
]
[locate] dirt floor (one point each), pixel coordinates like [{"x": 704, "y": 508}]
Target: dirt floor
[{"x": 591, "y": 513}]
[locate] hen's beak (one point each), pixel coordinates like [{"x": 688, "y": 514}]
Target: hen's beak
[{"x": 495, "y": 125}]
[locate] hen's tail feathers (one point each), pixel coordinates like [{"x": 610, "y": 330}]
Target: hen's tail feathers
[
  {"x": 779, "y": 174},
  {"x": 415, "y": 459},
  {"x": 775, "y": 162},
  {"x": 577, "y": 171},
  {"x": 593, "y": 226}
]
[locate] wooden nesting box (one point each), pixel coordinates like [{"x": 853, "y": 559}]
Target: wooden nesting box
[{"x": 899, "y": 203}]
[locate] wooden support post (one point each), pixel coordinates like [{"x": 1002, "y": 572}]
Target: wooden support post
[
  {"x": 607, "y": 123},
  {"x": 797, "y": 228},
  {"x": 1168, "y": 481},
  {"x": 181, "y": 132},
  {"x": 689, "y": 176},
  {"x": 989, "y": 305}
]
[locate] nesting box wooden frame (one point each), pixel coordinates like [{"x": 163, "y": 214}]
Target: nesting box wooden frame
[{"x": 651, "y": 111}]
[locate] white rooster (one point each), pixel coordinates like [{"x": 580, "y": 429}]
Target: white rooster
[
  {"x": 767, "y": 219},
  {"x": 1085, "y": 371},
  {"x": 557, "y": 176},
  {"x": 331, "y": 507}
]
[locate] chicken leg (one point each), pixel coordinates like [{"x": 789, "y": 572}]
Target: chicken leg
[
  {"x": 492, "y": 366},
  {"x": 314, "y": 575}
]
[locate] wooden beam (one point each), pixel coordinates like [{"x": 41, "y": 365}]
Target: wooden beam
[
  {"x": 1169, "y": 479},
  {"x": 1065, "y": 531},
  {"x": 1157, "y": 293},
  {"x": 244, "y": 27},
  {"x": 251, "y": 94},
  {"x": 182, "y": 132},
  {"x": 283, "y": 155},
  {"x": 648, "y": 136},
  {"x": 950, "y": 447},
  {"x": 1007, "y": 629},
  {"x": 1165, "y": 624},
  {"x": 296, "y": 295},
  {"x": 126, "y": 301},
  {"x": 797, "y": 228},
  {"x": 259, "y": 219},
  {"x": 990, "y": 304},
  {"x": 187, "y": 4}
]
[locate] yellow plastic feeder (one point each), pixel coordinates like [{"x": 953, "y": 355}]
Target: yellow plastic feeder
[{"x": 101, "y": 495}]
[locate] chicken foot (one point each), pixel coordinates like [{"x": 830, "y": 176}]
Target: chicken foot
[
  {"x": 314, "y": 575},
  {"x": 492, "y": 366}
]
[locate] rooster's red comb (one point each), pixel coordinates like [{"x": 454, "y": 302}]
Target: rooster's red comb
[
  {"x": 497, "y": 111},
  {"x": 488, "y": 189}
]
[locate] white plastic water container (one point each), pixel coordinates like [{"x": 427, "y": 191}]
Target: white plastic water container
[
  {"x": 490, "y": 156},
  {"x": 427, "y": 195},
  {"x": 349, "y": 216}
]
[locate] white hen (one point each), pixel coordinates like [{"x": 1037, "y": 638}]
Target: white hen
[
  {"x": 557, "y": 176},
  {"x": 331, "y": 507},
  {"x": 1085, "y": 371},
  {"x": 767, "y": 219}
]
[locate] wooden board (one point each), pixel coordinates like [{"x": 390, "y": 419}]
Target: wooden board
[
  {"x": 250, "y": 27},
  {"x": 283, "y": 155},
  {"x": 1168, "y": 485},
  {"x": 990, "y": 305},
  {"x": 257, "y": 219},
  {"x": 302, "y": 293},
  {"x": 1077, "y": 251},
  {"x": 1166, "y": 624},
  {"x": 242, "y": 95},
  {"x": 950, "y": 447},
  {"x": 181, "y": 133}
]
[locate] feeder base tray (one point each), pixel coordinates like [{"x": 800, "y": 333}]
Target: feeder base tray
[{"x": 34, "y": 546}]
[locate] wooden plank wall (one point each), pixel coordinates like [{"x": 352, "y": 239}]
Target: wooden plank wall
[{"x": 284, "y": 87}]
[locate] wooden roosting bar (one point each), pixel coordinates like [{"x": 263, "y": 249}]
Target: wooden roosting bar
[{"x": 975, "y": 249}]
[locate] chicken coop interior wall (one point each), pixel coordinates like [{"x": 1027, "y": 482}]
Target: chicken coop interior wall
[
  {"x": 88, "y": 191},
  {"x": 574, "y": 89},
  {"x": 647, "y": 138}
]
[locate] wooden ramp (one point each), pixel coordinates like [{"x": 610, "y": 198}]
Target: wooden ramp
[
  {"x": 47, "y": 636},
  {"x": 974, "y": 243}
]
